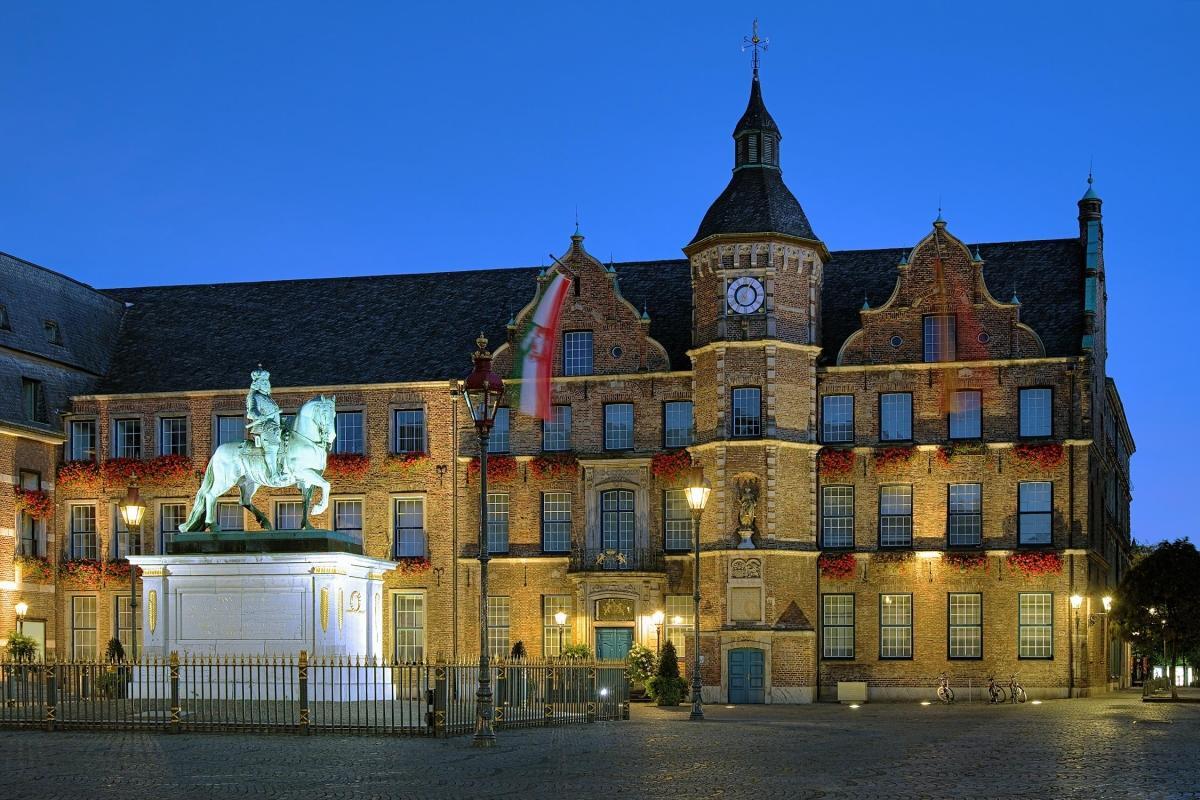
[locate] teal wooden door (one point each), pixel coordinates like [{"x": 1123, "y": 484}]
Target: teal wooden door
[
  {"x": 746, "y": 675},
  {"x": 612, "y": 644}
]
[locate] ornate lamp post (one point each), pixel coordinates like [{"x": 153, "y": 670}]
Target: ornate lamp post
[
  {"x": 697, "y": 497},
  {"x": 560, "y": 619},
  {"x": 657, "y": 619},
  {"x": 131, "y": 512},
  {"x": 482, "y": 391},
  {"x": 22, "y": 608},
  {"x": 1076, "y": 602}
]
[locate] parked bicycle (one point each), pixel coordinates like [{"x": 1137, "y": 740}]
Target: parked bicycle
[
  {"x": 944, "y": 692},
  {"x": 996, "y": 693},
  {"x": 1016, "y": 692}
]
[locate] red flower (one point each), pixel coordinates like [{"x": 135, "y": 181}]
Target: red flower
[
  {"x": 346, "y": 465},
  {"x": 33, "y": 502},
  {"x": 500, "y": 468},
  {"x": 837, "y": 566},
  {"x": 412, "y": 565},
  {"x": 667, "y": 467},
  {"x": 1046, "y": 456},
  {"x": 35, "y": 568},
  {"x": 405, "y": 463},
  {"x": 890, "y": 456},
  {"x": 166, "y": 469},
  {"x": 81, "y": 475},
  {"x": 555, "y": 465},
  {"x": 834, "y": 462},
  {"x": 966, "y": 562},
  {"x": 1037, "y": 562},
  {"x": 892, "y": 557}
]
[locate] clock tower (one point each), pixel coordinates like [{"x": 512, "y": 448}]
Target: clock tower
[{"x": 756, "y": 269}]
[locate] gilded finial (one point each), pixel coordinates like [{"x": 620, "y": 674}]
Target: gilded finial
[
  {"x": 481, "y": 342},
  {"x": 756, "y": 43}
]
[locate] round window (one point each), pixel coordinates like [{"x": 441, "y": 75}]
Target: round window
[
  {"x": 616, "y": 351},
  {"x": 984, "y": 337},
  {"x": 896, "y": 341}
]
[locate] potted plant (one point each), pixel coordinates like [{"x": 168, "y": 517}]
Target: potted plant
[
  {"x": 111, "y": 683},
  {"x": 640, "y": 665},
  {"x": 22, "y": 650},
  {"x": 666, "y": 687}
]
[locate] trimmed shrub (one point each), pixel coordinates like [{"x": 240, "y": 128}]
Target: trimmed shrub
[{"x": 666, "y": 687}]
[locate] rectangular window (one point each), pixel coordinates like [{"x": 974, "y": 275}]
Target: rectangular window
[
  {"x": 33, "y": 401},
  {"x": 1035, "y": 502},
  {"x": 230, "y": 428},
  {"x": 616, "y": 521},
  {"x": 677, "y": 423},
  {"x": 498, "y": 441},
  {"x": 837, "y": 626},
  {"x": 170, "y": 517},
  {"x": 677, "y": 520},
  {"x": 83, "y": 440},
  {"x": 747, "y": 412},
  {"x": 127, "y": 438},
  {"x": 837, "y": 516},
  {"x": 122, "y": 538},
  {"x": 556, "y": 522},
  {"x": 837, "y": 418},
  {"x": 83, "y": 628},
  {"x": 349, "y": 433},
  {"x": 577, "y": 353},
  {"x": 940, "y": 344},
  {"x": 29, "y": 539},
  {"x": 965, "y": 515},
  {"x": 895, "y": 626},
  {"x": 124, "y": 620},
  {"x": 965, "y": 626},
  {"x": 679, "y": 620},
  {"x": 895, "y": 516},
  {"x": 84, "y": 543},
  {"x": 288, "y": 514},
  {"x": 895, "y": 417},
  {"x": 497, "y": 523},
  {"x": 498, "y": 626},
  {"x": 618, "y": 426},
  {"x": 409, "y": 627},
  {"x": 1035, "y": 412},
  {"x": 409, "y": 526},
  {"x": 966, "y": 415},
  {"x": 172, "y": 436},
  {"x": 1035, "y": 625},
  {"x": 408, "y": 430},
  {"x": 554, "y": 636},
  {"x": 556, "y": 431},
  {"x": 348, "y": 517},
  {"x": 229, "y": 516}
]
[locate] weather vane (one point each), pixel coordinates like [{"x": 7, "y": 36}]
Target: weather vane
[{"x": 753, "y": 41}]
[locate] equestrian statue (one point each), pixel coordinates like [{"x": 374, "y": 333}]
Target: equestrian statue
[{"x": 280, "y": 455}]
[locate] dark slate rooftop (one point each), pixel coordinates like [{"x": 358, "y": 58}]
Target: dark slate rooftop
[
  {"x": 396, "y": 328},
  {"x": 756, "y": 117},
  {"x": 755, "y": 201}
]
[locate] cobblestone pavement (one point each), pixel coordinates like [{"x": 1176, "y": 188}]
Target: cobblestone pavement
[{"x": 1111, "y": 747}]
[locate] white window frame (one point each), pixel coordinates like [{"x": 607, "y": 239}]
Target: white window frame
[
  {"x": 338, "y": 441},
  {"x": 1040, "y": 648},
  {"x": 121, "y": 449},
  {"x": 572, "y": 358},
  {"x": 394, "y": 443},
  {"x": 421, "y": 646},
  {"x": 833, "y": 516},
  {"x": 424, "y": 543},
  {"x": 499, "y": 609},
  {"x": 964, "y": 634},
  {"x": 555, "y": 636},
  {"x": 73, "y": 453},
  {"x": 618, "y": 436},
  {"x": 497, "y": 523},
  {"x": 838, "y": 623},
  {"x": 895, "y": 626},
  {"x": 83, "y": 550},
  {"x": 570, "y": 512}
]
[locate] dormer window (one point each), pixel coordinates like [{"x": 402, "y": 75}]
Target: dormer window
[{"x": 53, "y": 334}]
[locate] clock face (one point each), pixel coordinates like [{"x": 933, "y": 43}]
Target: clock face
[{"x": 745, "y": 295}]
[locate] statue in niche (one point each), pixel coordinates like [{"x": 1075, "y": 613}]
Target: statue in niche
[{"x": 747, "y": 503}]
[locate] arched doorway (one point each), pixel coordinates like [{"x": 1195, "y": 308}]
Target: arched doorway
[{"x": 746, "y": 675}]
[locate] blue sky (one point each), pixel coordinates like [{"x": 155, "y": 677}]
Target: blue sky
[{"x": 176, "y": 143}]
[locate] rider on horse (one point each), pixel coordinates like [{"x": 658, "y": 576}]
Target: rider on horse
[{"x": 263, "y": 413}]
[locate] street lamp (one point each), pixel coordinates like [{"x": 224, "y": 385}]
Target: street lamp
[
  {"x": 22, "y": 608},
  {"x": 697, "y": 492},
  {"x": 132, "y": 511},
  {"x": 560, "y": 619},
  {"x": 657, "y": 619},
  {"x": 482, "y": 391}
]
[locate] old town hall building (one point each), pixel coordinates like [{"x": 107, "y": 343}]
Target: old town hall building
[{"x": 913, "y": 470}]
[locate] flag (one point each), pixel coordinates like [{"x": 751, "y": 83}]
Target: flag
[{"x": 535, "y": 357}]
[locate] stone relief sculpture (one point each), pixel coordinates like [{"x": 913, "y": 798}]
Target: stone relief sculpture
[{"x": 747, "y": 503}]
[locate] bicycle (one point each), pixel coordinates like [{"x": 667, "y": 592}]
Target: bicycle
[
  {"x": 944, "y": 692},
  {"x": 1016, "y": 691},
  {"x": 996, "y": 693}
]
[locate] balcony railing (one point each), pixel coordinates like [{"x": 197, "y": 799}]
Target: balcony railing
[{"x": 612, "y": 559}]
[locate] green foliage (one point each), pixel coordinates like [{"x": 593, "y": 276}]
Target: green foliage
[
  {"x": 640, "y": 664},
  {"x": 666, "y": 687},
  {"x": 577, "y": 652},
  {"x": 22, "y": 647},
  {"x": 1157, "y": 605},
  {"x": 114, "y": 653},
  {"x": 518, "y": 651},
  {"x": 111, "y": 684}
]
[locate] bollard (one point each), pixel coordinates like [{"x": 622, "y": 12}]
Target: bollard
[
  {"x": 302, "y": 666},
  {"x": 51, "y": 691},
  {"x": 173, "y": 722}
]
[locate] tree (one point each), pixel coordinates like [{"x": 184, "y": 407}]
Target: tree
[
  {"x": 667, "y": 688},
  {"x": 1158, "y": 602}
]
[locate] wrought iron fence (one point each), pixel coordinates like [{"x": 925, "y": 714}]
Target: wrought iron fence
[
  {"x": 605, "y": 559},
  {"x": 300, "y": 694}
]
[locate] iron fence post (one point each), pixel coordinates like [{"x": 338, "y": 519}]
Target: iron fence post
[
  {"x": 51, "y": 691},
  {"x": 548, "y": 696},
  {"x": 173, "y": 666},
  {"x": 302, "y": 669},
  {"x": 593, "y": 695},
  {"x": 441, "y": 697}
]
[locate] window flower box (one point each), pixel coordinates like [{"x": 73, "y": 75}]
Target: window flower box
[
  {"x": 668, "y": 467},
  {"x": 36, "y": 569},
  {"x": 888, "y": 457},
  {"x": 500, "y": 468},
  {"x": 346, "y": 465},
  {"x": 79, "y": 476},
  {"x": 837, "y": 566},
  {"x": 835, "y": 462},
  {"x": 947, "y": 453},
  {"x": 413, "y": 565},
  {"x": 82, "y": 573},
  {"x": 34, "y": 502},
  {"x": 966, "y": 562},
  {"x": 1036, "y": 563},
  {"x": 555, "y": 465},
  {"x": 892, "y": 557},
  {"x": 1045, "y": 456},
  {"x": 405, "y": 464}
]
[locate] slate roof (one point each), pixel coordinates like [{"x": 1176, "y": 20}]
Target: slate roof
[
  {"x": 756, "y": 118},
  {"x": 755, "y": 201},
  {"x": 396, "y": 328}
]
